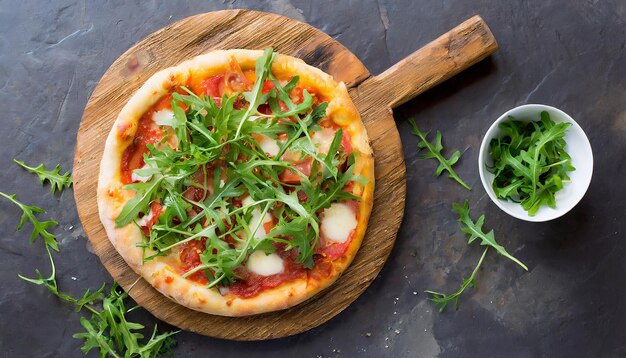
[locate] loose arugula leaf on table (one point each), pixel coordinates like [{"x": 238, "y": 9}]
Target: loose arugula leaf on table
[
  {"x": 434, "y": 152},
  {"x": 50, "y": 283},
  {"x": 474, "y": 230},
  {"x": 442, "y": 300},
  {"x": 530, "y": 163},
  {"x": 40, "y": 228},
  {"x": 111, "y": 333},
  {"x": 108, "y": 330},
  {"x": 57, "y": 180}
]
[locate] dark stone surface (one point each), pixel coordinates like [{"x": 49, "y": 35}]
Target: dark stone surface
[{"x": 569, "y": 54}]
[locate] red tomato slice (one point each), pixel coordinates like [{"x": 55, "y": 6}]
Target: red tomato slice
[
  {"x": 213, "y": 86},
  {"x": 289, "y": 177},
  {"x": 267, "y": 86}
]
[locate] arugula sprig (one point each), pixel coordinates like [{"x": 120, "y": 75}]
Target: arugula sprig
[
  {"x": 40, "y": 228},
  {"x": 108, "y": 330},
  {"x": 57, "y": 180},
  {"x": 50, "y": 283},
  {"x": 434, "y": 152},
  {"x": 530, "y": 163},
  {"x": 442, "y": 300},
  {"x": 474, "y": 230}
]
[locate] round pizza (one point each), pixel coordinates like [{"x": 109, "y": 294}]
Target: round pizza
[{"x": 238, "y": 182}]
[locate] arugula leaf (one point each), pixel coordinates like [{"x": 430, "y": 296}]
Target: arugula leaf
[
  {"x": 111, "y": 333},
  {"x": 108, "y": 330},
  {"x": 57, "y": 180},
  {"x": 256, "y": 97},
  {"x": 530, "y": 163},
  {"x": 96, "y": 338},
  {"x": 474, "y": 230},
  {"x": 50, "y": 283},
  {"x": 434, "y": 152},
  {"x": 138, "y": 203},
  {"x": 442, "y": 300},
  {"x": 40, "y": 228}
]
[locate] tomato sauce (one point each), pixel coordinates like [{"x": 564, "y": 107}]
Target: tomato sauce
[
  {"x": 147, "y": 133},
  {"x": 189, "y": 255},
  {"x": 156, "y": 209}
]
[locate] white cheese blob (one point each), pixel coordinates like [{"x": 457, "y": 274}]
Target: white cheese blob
[
  {"x": 323, "y": 139},
  {"x": 163, "y": 117},
  {"x": 269, "y": 145},
  {"x": 137, "y": 177},
  {"x": 265, "y": 265},
  {"x": 338, "y": 222},
  {"x": 256, "y": 218}
]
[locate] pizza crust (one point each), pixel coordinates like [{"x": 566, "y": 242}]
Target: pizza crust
[{"x": 161, "y": 274}]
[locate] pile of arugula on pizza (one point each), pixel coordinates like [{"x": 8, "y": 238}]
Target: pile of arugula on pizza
[{"x": 238, "y": 182}]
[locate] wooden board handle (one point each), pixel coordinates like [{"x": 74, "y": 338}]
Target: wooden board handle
[{"x": 434, "y": 63}]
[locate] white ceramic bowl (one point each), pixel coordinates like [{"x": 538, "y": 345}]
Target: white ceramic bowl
[{"x": 577, "y": 145}]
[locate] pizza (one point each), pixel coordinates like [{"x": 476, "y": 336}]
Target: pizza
[{"x": 238, "y": 182}]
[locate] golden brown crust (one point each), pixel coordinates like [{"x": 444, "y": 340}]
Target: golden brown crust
[{"x": 163, "y": 275}]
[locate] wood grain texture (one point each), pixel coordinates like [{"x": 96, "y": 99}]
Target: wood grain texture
[{"x": 240, "y": 29}]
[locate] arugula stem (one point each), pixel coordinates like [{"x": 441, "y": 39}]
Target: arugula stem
[
  {"x": 192, "y": 237},
  {"x": 442, "y": 299}
]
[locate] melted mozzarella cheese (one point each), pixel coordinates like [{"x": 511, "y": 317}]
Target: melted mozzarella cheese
[
  {"x": 323, "y": 139},
  {"x": 269, "y": 145},
  {"x": 256, "y": 218},
  {"x": 163, "y": 117},
  {"x": 338, "y": 222},
  {"x": 265, "y": 265},
  {"x": 137, "y": 177}
]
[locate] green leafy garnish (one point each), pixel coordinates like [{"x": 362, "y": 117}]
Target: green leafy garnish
[
  {"x": 219, "y": 157},
  {"x": 57, "y": 180},
  {"x": 434, "y": 152},
  {"x": 40, "y": 228},
  {"x": 474, "y": 230},
  {"x": 50, "y": 283},
  {"x": 442, "y": 299},
  {"x": 108, "y": 330},
  {"x": 530, "y": 163}
]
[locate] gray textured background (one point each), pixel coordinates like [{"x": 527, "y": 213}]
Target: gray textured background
[{"x": 569, "y": 54}]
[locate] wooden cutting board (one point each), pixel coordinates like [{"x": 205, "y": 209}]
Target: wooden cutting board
[{"x": 374, "y": 97}]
